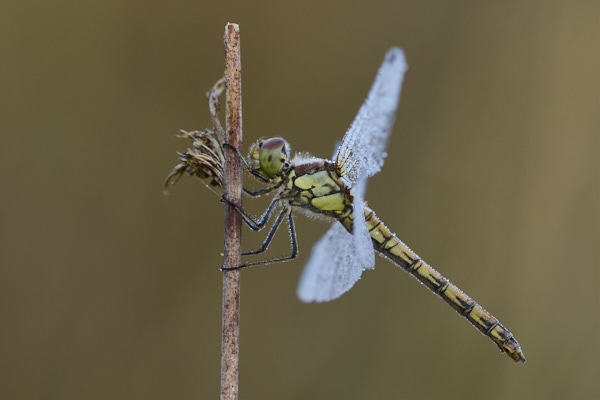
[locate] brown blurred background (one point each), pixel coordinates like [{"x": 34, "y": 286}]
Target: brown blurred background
[{"x": 110, "y": 290}]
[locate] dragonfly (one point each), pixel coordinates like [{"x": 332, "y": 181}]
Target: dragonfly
[{"x": 335, "y": 189}]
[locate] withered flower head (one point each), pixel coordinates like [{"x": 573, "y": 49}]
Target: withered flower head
[{"x": 205, "y": 159}]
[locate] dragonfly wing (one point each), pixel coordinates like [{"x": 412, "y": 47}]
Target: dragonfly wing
[
  {"x": 332, "y": 268},
  {"x": 363, "y": 148},
  {"x": 363, "y": 245},
  {"x": 338, "y": 259}
]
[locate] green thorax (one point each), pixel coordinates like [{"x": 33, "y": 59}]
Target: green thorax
[{"x": 316, "y": 186}]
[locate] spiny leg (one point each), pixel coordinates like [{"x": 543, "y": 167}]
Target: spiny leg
[
  {"x": 254, "y": 172},
  {"x": 265, "y": 244},
  {"x": 248, "y": 220},
  {"x": 258, "y": 192},
  {"x": 249, "y": 167}
]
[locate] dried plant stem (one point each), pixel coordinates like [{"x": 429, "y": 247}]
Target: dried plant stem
[{"x": 233, "y": 220}]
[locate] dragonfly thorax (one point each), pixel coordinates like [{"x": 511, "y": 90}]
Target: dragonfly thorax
[
  {"x": 269, "y": 156},
  {"x": 314, "y": 185}
]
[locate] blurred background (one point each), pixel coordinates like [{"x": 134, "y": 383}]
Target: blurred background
[{"x": 111, "y": 290}]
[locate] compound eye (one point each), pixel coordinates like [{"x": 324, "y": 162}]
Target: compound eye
[{"x": 272, "y": 156}]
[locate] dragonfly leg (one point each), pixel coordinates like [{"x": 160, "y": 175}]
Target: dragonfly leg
[
  {"x": 254, "y": 172},
  {"x": 258, "y": 192},
  {"x": 267, "y": 241},
  {"x": 248, "y": 220},
  {"x": 249, "y": 167},
  {"x": 265, "y": 245}
]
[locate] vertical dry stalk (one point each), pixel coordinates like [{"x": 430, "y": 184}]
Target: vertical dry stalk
[{"x": 233, "y": 220}]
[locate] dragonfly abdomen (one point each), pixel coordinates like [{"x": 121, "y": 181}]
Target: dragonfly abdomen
[{"x": 386, "y": 243}]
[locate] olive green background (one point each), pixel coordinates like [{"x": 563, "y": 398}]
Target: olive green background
[{"x": 110, "y": 290}]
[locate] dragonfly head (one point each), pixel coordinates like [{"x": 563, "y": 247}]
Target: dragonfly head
[{"x": 269, "y": 156}]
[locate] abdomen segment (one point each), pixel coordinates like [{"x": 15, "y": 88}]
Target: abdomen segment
[{"x": 390, "y": 246}]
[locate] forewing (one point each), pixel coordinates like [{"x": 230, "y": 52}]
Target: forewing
[
  {"x": 338, "y": 258},
  {"x": 363, "y": 148},
  {"x": 363, "y": 245},
  {"x": 332, "y": 268}
]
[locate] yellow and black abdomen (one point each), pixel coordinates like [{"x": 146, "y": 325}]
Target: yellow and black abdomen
[{"x": 391, "y": 247}]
